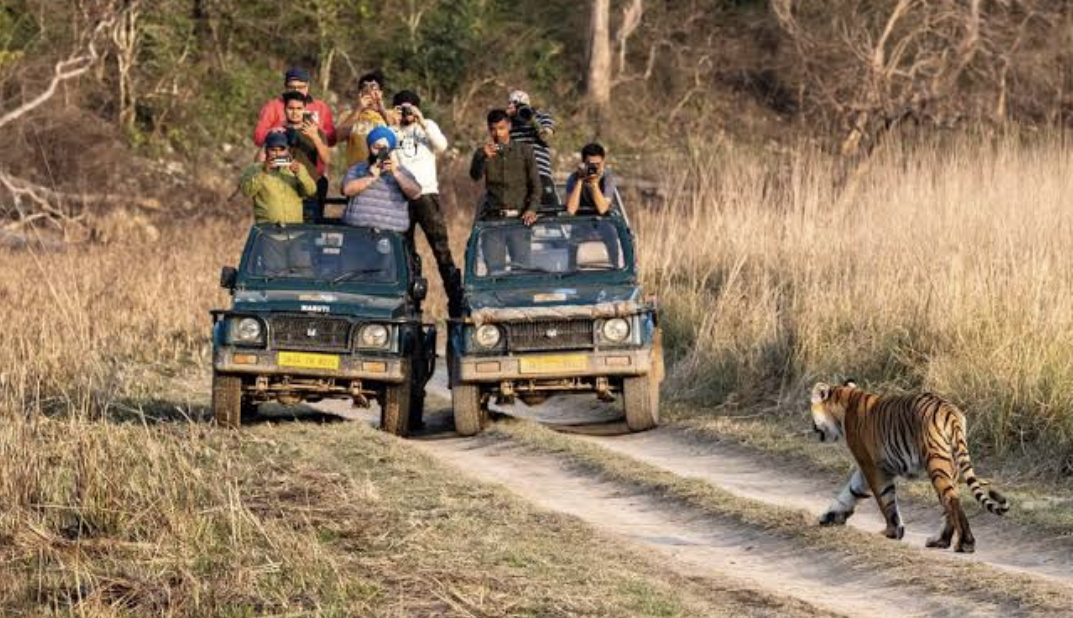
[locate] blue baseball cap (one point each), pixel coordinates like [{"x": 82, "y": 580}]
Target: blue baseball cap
[
  {"x": 381, "y": 133},
  {"x": 296, "y": 74},
  {"x": 275, "y": 139}
]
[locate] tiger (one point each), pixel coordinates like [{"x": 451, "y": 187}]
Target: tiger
[{"x": 892, "y": 436}]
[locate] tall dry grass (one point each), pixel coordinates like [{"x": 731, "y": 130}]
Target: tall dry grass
[{"x": 940, "y": 266}]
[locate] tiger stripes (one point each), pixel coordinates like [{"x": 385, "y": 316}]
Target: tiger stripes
[{"x": 896, "y": 436}]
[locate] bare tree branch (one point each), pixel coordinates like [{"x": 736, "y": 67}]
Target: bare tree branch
[{"x": 77, "y": 63}]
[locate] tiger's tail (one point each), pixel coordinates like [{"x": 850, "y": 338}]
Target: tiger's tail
[{"x": 989, "y": 498}]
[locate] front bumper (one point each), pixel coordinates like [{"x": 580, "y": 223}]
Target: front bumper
[
  {"x": 266, "y": 363},
  {"x": 553, "y": 366}
]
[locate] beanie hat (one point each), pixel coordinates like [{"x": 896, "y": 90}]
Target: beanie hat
[
  {"x": 296, "y": 74},
  {"x": 381, "y": 133},
  {"x": 275, "y": 139},
  {"x": 519, "y": 97}
]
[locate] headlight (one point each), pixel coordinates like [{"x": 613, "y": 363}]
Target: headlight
[
  {"x": 616, "y": 330},
  {"x": 487, "y": 336},
  {"x": 373, "y": 336},
  {"x": 248, "y": 330}
]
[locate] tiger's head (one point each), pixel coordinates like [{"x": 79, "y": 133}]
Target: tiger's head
[{"x": 829, "y": 410}]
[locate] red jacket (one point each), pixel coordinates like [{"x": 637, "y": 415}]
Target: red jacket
[{"x": 272, "y": 116}]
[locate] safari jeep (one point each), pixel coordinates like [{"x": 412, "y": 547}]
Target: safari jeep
[
  {"x": 554, "y": 308},
  {"x": 322, "y": 311}
]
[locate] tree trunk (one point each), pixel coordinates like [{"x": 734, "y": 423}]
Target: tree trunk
[{"x": 599, "y": 83}]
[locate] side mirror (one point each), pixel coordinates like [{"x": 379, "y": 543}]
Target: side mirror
[
  {"x": 228, "y": 277},
  {"x": 419, "y": 288}
]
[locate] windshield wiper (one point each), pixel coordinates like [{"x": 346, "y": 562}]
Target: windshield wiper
[
  {"x": 522, "y": 268},
  {"x": 347, "y": 276}
]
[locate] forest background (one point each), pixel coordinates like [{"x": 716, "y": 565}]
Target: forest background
[{"x": 866, "y": 188}]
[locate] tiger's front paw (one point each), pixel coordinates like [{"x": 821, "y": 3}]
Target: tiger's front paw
[
  {"x": 835, "y": 518},
  {"x": 939, "y": 542},
  {"x": 894, "y": 532}
]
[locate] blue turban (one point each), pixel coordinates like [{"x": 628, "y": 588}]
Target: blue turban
[{"x": 380, "y": 133}]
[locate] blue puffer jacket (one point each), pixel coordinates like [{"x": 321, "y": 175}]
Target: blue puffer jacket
[{"x": 383, "y": 205}]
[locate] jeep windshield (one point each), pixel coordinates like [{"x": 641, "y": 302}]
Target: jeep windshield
[
  {"x": 555, "y": 247},
  {"x": 330, "y": 255}
]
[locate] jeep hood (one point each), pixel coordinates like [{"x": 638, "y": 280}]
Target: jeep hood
[
  {"x": 592, "y": 300},
  {"x": 321, "y": 303},
  {"x": 543, "y": 296}
]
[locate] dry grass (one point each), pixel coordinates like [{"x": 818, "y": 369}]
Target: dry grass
[
  {"x": 943, "y": 269},
  {"x": 116, "y": 501},
  {"x": 939, "y": 267}
]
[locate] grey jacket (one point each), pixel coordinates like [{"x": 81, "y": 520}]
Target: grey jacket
[{"x": 383, "y": 205}]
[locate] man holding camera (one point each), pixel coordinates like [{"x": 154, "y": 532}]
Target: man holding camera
[
  {"x": 509, "y": 170},
  {"x": 420, "y": 140},
  {"x": 367, "y": 114},
  {"x": 379, "y": 188},
  {"x": 308, "y": 143},
  {"x": 511, "y": 189},
  {"x": 272, "y": 115},
  {"x": 592, "y": 186},
  {"x": 529, "y": 125},
  {"x": 278, "y": 184}
]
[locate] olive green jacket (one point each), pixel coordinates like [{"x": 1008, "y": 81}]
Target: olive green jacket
[
  {"x": 277, "y": 195},
  {"x": 511, "y": 179}
]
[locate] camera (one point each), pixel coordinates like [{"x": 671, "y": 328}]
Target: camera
[
  {"x": 307, "y": 116},
  {"x": 525, "y": 112},
  {"x": 592, "y": 169},
  {"x": 383, "y": 156},
  {"x": 406, "y": 110},
  {"x": 280, "y": 162}
]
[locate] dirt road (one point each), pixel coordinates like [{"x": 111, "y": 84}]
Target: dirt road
[{"x": 698, "y": 545}]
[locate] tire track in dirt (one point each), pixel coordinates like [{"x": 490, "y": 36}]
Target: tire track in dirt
[
  {"x": 695, "y": 544},
  {"x": 745, "y": 473},
  {"x": 999, "y": 543}
]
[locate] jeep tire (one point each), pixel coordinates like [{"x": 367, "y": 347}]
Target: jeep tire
[
  {"x": 640, "y": 397},
  {"x": 470, "y": 415},
  {"x": 227, "y": 400},
  {"x": 395, "y": 406}
]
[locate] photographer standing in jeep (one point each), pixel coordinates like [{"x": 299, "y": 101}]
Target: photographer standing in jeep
[
  {"x": 272, "y": 114},
  {"x": 367, "y": 114},
  {"x": 380, "y": 189},
  {"x": 529, "y": 125},
  {"x": 278, "y": 184},
  {"x": 592, "y": 187},
  {"x": 309, "y": 145},
  {"x": 420, "y": 140}
]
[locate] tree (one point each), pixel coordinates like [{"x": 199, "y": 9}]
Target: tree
[{"x": 599, "y": 80}]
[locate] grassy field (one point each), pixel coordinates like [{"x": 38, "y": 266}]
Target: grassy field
[{"x": 937, "y": 268}]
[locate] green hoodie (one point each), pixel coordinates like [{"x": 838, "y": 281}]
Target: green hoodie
[{"x": 277, "y": 195}]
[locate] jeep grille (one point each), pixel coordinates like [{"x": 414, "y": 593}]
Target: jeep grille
[
  {"x": 310, "y": 333},
  {"x": 550, "y": 335}
]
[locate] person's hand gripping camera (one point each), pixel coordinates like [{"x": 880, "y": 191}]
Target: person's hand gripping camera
[{"x": 385, "y": 164}]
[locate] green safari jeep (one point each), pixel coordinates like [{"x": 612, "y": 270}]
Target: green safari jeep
[
  {"x": 554, "y": 308},
  {"x": 322, "y": 311}
]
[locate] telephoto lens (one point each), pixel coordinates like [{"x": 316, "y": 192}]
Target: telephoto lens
[
  {"x": 526, "y": 113},
  {"x": 592, "y": 169}
]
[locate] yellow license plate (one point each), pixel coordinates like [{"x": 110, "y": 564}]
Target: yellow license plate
[
  {"x": 305, "y": 360},
  {"x": 553, "y": 364}
]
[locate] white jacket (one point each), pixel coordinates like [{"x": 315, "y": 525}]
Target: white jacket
[{"x": 417, "y": 149}]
